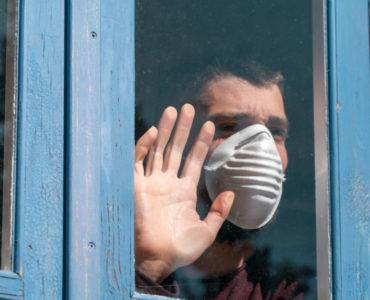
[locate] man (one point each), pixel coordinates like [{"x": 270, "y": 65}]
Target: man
[{"x": 169, "y": 233}]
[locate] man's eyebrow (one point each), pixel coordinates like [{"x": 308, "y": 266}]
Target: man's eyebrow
[
  {"x": 278, "y": 122},
  {"x": 219, "y": 117}
]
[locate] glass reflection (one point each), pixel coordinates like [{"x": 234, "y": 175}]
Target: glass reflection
[
  {"x": 2, "y": 92},
  {"x": 238, "y": 64},
  {"x": 8, "y": 44}
]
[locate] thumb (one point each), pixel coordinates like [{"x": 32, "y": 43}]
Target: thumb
[{"x": 219, "y": 211}]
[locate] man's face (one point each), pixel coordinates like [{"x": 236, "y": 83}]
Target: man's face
[{"x": 233, "y": 104}]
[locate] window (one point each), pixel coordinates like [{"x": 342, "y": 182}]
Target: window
[
  {"x": 8, "y": 84},
  {"x": 67, "y": 102},
  {"x": 199, "y": 52}
]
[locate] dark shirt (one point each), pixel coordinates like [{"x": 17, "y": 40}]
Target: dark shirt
[{"x": 233, "y": 286}]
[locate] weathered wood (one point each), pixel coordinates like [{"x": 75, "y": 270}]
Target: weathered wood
[
  {"x": 349, "y": 74},
  {"x": 40, "y": 153},
  {"x": 83, "y": 152},
  {"x": 117, "y": 141},
  {"x": 101, "y": 128},
  {"x": 11, "y": 285}
]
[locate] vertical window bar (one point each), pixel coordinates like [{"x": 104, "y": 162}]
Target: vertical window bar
[{"x": 11, "y": 88}]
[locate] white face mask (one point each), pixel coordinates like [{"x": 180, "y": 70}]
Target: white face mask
[{"x": 248, "y": 164}]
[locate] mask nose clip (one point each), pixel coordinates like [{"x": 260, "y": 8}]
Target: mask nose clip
[{"x": 259, "y": 137}]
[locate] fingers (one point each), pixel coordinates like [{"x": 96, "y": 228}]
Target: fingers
[
  {"x": 142, "y": 148},
  {"x": 143, "y": 145},
  {"x": 195, "y": 160},
  {"x": 166, "y": 124},
  {"x": 176, "y": 147},
  {"x": 218, "y": 213}
]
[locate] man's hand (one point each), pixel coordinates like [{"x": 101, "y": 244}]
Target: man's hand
[{"x": 168, "y": 231}]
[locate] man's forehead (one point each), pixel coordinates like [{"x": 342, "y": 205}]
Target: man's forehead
[{"x": 234, "y": 96}]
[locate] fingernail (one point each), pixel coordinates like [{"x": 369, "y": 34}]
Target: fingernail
[
  {"x": 171, "y": 109},
  {"x": 171, "y": 112},
  {"x": 229, "y": 198},
  {"x": 209, "y": 126},
  {"x": 188, "y": 108},
  {"x": 152, "y": 130}
]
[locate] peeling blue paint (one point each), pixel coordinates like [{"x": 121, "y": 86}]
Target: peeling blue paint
[
  {"x": 100, "y": 167},
  {"x": 350, "y": 146},
  {"x": 40, "y": 153},
  {"x": 11, "y": 285}
]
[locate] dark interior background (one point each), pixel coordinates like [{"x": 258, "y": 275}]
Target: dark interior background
[{"x": 176, "y": 39}]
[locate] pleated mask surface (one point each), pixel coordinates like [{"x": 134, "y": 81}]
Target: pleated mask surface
[{"x": 247, "y": 163}]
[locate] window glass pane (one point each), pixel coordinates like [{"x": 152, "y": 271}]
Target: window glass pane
[
  {"x": 2, "y": 80},
  {"x": 238, "y": 63},
  {"x": 7, "y": 111}
]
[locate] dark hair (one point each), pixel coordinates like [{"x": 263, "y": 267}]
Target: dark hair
[{"x": 251, "y": 71}]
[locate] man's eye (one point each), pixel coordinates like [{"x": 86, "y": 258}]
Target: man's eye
[
  {"x": 225, "y": 130},
  {"x": 227, "y": 127},
  {"x": 279, "y": 135}
]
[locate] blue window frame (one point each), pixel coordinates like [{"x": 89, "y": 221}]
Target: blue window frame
[
  {"x": 75, "y": 132},
  {"x": 100, "y": 149},
  {"x": 39, "y": 180},
  {"x": 349, "y": 87}
]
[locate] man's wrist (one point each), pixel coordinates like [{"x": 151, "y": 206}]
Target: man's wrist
[{"x": 155, "y": 270}]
